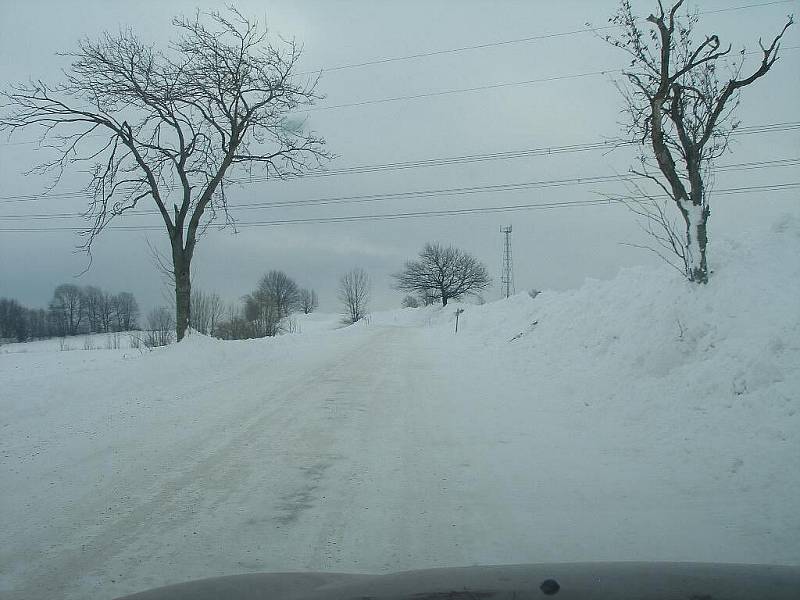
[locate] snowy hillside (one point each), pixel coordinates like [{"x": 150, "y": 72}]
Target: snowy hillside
[{"x": 641, "y": 418}]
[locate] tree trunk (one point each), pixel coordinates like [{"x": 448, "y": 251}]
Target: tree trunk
[
  {"x": 183, "y": 291},
  {"x": 444, "y": 300},
  {"x": 696, "y": 218},
  {"x": 698, "y": 266}
]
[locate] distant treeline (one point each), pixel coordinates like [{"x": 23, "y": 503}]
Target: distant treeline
[{"x": 73, "y": 310}]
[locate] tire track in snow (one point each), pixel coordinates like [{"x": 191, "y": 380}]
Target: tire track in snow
[{"x": 201, "y": 470}]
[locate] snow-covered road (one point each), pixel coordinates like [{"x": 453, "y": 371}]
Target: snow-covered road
[
  {"x": 374, "y": 449},
  {"x": 312, "y": 459}
]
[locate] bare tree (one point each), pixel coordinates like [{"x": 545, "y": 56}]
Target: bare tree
[
  {"x": 67, "y": 308},
  {"x": 172, "y": 125},
  {"x": 677, "y": 101},
  {"x": 207, "y": 311},
  {"x": 160, "y": 325},
  {"x": 107, "y": 312},
  {"x": 266, "y": 308},
  {"x": 308, "y": 301},
  {"x": 443, "y": 273},
  {"x": 199, "y": 311},
  {"x": 38, "y": 324},
  {"x": 92, "y": 297},
  {"x": 126, "y": 311},
  {"x": 354, "y": 289},
  {"x": 235, "y": 327},
  {"x": 280, "y": 290},
  {"x": 410, "y": 302},
  {"x": 14, "y": 321},
  {"x": 216, "y": 312},
  {"x": 263, "y": 315}
]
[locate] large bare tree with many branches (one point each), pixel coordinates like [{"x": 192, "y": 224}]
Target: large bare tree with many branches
[
  {"x": 443, "y": 273},
  {"x": 172, "y": 125},
  {"x": 679, "y": 103}
]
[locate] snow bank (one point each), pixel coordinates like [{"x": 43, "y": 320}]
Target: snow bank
[
  {"x": 706, "y": 373},
  {"x": 316, "y": 322},
  {"x": 738, "y": 335},
  {"x": 692, "y": 392}
]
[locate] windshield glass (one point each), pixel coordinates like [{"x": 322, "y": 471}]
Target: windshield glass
[{"x": 369, "y": 287}]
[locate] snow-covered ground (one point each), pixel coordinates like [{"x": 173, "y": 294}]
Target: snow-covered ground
[
  {"x": 636, "y": 419},
  {"x": 123, "y": 340}
]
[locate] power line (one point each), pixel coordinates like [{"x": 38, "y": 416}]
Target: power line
[
  {"x": 432, "y": 162},
  {"x": 438, "y": 93},
  {"x": 508, "y": 42},
  {"x": 531, "y": 38},
  {"x": 480, "y": 88},
  {"x": 426, "y": 213},
  {"x": 431, "y": 193},
  {"x": 423, "y": 95},
  {"x": 432, "y": 94}
]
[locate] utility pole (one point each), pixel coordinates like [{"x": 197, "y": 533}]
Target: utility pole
[{"x": 507, "y": 275}]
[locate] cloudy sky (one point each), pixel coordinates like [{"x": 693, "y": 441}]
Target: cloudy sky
[{"x": 560, "y": 92}]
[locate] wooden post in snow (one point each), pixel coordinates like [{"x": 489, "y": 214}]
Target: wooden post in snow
[{"x": 458, "y": 312}]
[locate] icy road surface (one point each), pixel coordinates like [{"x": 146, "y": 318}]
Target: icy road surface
[{"x": 374, "y": 449}]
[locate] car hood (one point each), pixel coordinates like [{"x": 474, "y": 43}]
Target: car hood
[{"x": 564, "y": 581}]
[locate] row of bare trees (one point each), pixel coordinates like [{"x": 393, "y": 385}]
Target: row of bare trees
[
  {"x": 267, "y": 310},
  {"x": 72, "y": 310},
  {"x": 16, "y": 321},
  {"x": 207, "y": 310},
  {"x": 440, "y": 274},
  {"x": 89, "y": 309}
]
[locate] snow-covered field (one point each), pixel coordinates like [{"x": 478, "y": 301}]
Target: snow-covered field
[
  {"x": 124, "y": 340},
  {"x": 634, "y": 419}
]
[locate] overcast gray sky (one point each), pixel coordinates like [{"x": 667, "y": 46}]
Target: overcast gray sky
[{"x": 552, "y": 248}]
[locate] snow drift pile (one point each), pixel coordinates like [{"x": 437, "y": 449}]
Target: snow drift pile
[
  {"x": 648, "y": 334},
  {"x": 707, "y": 377}
]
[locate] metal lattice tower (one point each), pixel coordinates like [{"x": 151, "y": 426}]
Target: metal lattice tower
[{"x": 507, "y": 275}]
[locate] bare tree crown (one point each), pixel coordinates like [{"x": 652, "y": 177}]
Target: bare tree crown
[
  {"x": 443, "y": 273},
  {"x": 679, "y": 79},
  {"x": 171, "y": 122}
]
